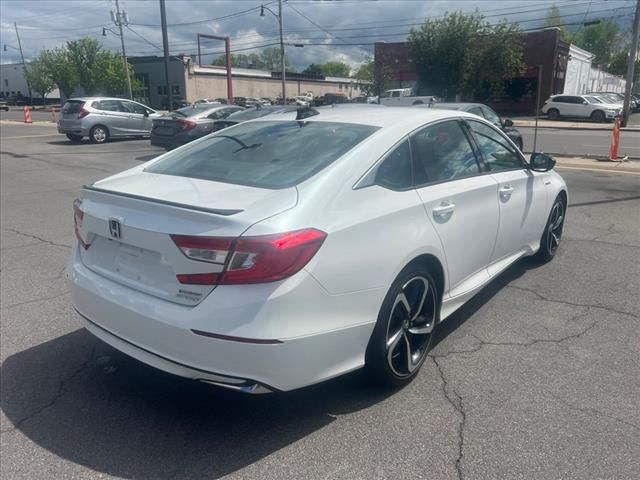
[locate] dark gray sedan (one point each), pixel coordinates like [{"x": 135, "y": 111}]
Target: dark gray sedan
[
  {"x": 485, "y": 112},
  {"x": 251, "y": 114},
  {"x": 188, "y": 123}
]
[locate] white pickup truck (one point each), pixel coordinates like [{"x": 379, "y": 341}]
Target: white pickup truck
[{"x": 402, "y": 97}]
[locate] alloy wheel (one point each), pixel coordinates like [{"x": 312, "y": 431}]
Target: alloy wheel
[
  {"x": 554, "y": 231},
  {"x": 99, "y": 134},
  {"x": 410, "y": 326}
]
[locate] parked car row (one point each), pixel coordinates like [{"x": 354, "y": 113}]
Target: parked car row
[{"x": 101, "y": 118}]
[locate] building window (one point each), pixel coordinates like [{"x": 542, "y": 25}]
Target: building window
[
  {"x": 175, "y": 89},
  {"x": 340, "y": 86}
]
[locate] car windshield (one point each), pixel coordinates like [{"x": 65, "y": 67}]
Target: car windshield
[
  {"x": 190, "y": 110},
  {"x": 263, "y": 154}
]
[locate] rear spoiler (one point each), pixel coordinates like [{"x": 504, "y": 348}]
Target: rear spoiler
[{"x": 215, "y": 211}]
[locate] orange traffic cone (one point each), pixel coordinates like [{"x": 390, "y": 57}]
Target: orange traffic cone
[
  {"x": 53, "y": 115},
  {"x": 615, "y": 140},
  {"x": 27, "y": 115}
]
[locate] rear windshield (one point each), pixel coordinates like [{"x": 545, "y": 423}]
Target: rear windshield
[
  {"x": 190, "y": 110},
  {"x": 250, "y": 114},
  {"x": 264, "y": 154},
  {"x": 72, "y": 106}
]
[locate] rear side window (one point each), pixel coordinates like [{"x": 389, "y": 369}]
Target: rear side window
[
  {"x": 395, "y": 171},
  {"x": 264, "y": 154},
  {"x": 72, "y": 106},
  {"x": 442, "y": 152},
  {"x": 109, "y": 106},
  {"x": 561, "y": 100}
]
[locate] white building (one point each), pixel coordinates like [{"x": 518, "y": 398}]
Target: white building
[
  {"x": 582, "y": 77},
  {"x": 13, "y": 83},
  {"x": 578, "y": 71}
]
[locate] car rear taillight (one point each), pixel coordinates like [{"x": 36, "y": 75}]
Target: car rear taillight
[
  {"x": 259, "y": 259},
  {"x": 186, "y": 124},
  {"x": 83, "y": 112},
  {"x": 78, "y": 216},
  {"x": 204, "y": 249}
]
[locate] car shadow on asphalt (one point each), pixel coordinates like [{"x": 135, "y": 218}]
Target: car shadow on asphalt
[
  {"x": 89, "y": 404},
  {"x": 465, "y": 312}
]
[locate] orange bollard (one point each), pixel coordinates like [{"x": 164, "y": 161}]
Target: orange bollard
[
  {"x": 615, "y": 140},
  {"x": 53, "y": 115},
  {"x": 27, "y": 115}
]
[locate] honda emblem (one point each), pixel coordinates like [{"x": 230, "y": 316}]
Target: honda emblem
[{"x": 114, "y": 228}]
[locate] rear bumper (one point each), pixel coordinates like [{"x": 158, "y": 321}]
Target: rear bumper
[
  {"x": 316, "y": 336},
  {"x": 75, "y": 130}
]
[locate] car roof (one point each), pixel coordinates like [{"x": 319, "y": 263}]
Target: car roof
[
  {"x": 373, "y": 115},
  {"x": 457, "y": 105}
]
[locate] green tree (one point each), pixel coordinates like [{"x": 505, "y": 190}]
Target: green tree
[
  {"x": 620, "y": 62},
  {"x": 554, "y": 19},
  {"x": 462, "y": 54},
  {"x": 335, "y": 69},
  {"x": 84, "y": 55},
  {"x": 602, "y": 39},
  {"x": 367, "y": 72},
  {"x": 313, "y": 69},
  {"x": 60, "y": 69},
  {"x": 113, "y": 78},
  {"x": 270, "y": 58},
  {"x": 39, "y": 78}
]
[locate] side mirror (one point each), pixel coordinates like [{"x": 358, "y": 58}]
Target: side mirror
[
  {"x": 146, "y": 113},
  {"x": 507, "y": 122},
  {"x": 541, "y": 162}
]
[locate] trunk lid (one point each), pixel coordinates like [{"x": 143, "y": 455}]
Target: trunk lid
[{"x": 128, "y": 221}]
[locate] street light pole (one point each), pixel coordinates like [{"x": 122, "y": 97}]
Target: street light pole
[
  {"x": 165, "y": 47},
  {"x": 282, "y": 57},
  {"x": 119, "y": 19},
  {"x": 24, "y": 65},
  {"x": 282, "y": 53},
  {"x": 633, "y": 54}
]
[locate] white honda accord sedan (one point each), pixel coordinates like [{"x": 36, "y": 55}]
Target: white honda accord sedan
[{"x": 291, "y": 249}]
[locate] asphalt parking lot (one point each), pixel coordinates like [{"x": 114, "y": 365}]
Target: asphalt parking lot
[{"x": 536, "y": 378}]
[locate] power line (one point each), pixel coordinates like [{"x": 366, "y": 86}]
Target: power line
[{"x": 196, "y": 22}]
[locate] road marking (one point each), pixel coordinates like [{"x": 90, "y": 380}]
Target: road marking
[
  {"x": 31, "y": 136},
  {"x": 607, "y": 170}
]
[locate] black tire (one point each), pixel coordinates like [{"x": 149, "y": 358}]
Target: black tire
[
  {"x": 552, "y": 234},
  {"x": 387, "y": 360},
  {"x": 553, "y": 114},
  {"x": 597, "y": 116},
  {"x": 74, "y": 138},
  {"x": 99, "y": 134}
]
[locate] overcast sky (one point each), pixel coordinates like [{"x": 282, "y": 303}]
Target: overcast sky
[{"x": 334, "y": 30}]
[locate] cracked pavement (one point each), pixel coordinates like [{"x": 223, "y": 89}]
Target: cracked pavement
[{"x": 535, "y": 378}]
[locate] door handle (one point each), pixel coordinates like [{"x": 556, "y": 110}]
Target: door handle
[
  {"x": 443, "y": 212},
  {"x": 505, "y": 191}
]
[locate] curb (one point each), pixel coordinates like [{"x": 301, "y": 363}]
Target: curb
[
  {"x": 571, "y": 127},
  {"x": 588, "y": 156}
]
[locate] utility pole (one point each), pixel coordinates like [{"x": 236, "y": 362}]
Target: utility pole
[
  {"x": 165, "y": 46},
  {"x": 24, "y": 65},
  {"x": 633, "y": 55},
  {"x": 120, "y": 19},
  {"x": 284, "y": 81}
]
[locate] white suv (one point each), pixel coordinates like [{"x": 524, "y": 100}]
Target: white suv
[{"x": 579, "y": 106}]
